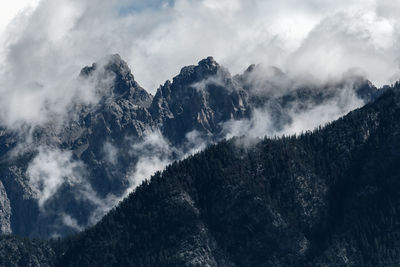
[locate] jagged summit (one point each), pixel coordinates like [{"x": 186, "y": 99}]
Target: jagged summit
[
  {"x": 199, "y": 98},
  {"x": 209, "y": 63},
  {"x": 201, "y": 105},
  {"x": 323, "y": 198},
  {"x": 206, "y": 67},
  {"x": 124, "y": 85}
]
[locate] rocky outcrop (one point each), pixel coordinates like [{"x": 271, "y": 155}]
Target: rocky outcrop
[
  {"x": 199, "y": 99},
  {"x": 323, "y": 198},
  {"x": 5, "y": 212},
  {"x": 96, "y": 139}
]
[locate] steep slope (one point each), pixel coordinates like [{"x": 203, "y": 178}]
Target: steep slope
[
  {"x": 199, "y": 99},
  {"x": 79, "y": 141},
  {"x": 96, "y": 147},
  {"x": 328, "y": 197}
]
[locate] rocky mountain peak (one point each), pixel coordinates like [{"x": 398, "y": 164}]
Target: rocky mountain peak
[
  {"x": 204, "y": 69},
  {"x": 123, "y": 74},
  {"x": 201, "y": 101},
  {"x": 209, "y": 64},
  {"x": 323, "y": 198},
  {"x": 250, "y": 68},
  {"x": 124, "y": 85},
  {"x": 199, "y": 98}
]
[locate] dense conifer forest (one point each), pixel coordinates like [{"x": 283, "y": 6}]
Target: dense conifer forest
[{"x": 329, "y": 197}]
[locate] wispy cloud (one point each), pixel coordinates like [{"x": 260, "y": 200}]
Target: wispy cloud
[
  {"x": 50, "y": 169},
  {"x": 46, "y": 47},
  {"x": 43, "y": 49}
]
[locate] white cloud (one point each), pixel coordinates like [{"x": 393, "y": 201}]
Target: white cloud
[
  {"x": 154, "y": 153},
  {"x": 345, "y": 41},
  {"x": 69, "y": 221},
  {"x": 317, "y": 115},
  {"x": 37, "y": 99},
  {"x": 45, "y": 45},
  {"x": 110, "y": 153},
  {"x": 300, "y": 115},
  {"x": 159, "y": 37},
  {"x": 259, "y": 125},
  {"x": 50, "y": 169},
  {"x": 45, "y": 48},
  {"x": 10, "y": 9}
]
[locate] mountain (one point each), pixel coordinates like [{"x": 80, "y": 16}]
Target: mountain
[
  {"x": 64, "y": 175},
  {"x": 324, "y": 198}
]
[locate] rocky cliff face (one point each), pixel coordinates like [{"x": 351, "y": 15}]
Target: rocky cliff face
[
  {"x": 5, "y": 211},
  {"x": 323, "y": 198},
  {"x": 199, "y": 99},
  {"x": 91, "y": 148}
]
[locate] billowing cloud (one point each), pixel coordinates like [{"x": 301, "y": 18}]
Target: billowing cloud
[
  {"x": 69, "y": 221},
  {"x": 11, "y": 9},
  {"x": 45, "y": 46},
  {"x": 154, "y": 153},
  {"x": 110, "y": 153},
  {"x": 50, "y": 169},
  {"x": 289, "y": 110},
  {"x": 45, "y": 43}
]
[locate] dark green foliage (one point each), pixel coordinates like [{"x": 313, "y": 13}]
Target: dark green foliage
[
  {"x": 330, "y": 197},
  {"x": 17, "y": 251}
]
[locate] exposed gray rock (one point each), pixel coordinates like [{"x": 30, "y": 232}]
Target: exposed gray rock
[
  {"x": 5, "y": 211},
  {"x": 199, "y": 99}
]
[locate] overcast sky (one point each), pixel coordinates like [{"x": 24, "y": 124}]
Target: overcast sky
[{"x": 46, "y": 42}]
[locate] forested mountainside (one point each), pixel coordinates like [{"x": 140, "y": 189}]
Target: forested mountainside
[
  {"x": 324, "y": 198},
  {"x": 95, "y": 148}
]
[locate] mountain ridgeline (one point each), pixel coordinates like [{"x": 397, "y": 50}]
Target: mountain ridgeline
[
  {"x": 329, "y": 197},
  {"x": 96, "y": 148}
]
